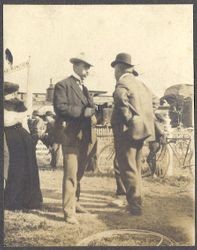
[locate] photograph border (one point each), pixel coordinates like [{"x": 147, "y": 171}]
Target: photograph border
[{"x": 94, "y": 2}]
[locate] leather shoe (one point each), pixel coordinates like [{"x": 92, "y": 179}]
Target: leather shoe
[
  {"x": 119, "y": 203},
  {"x": 72, "y": 220},
  {"x": 136, "y": 212},
  {"x": 80, "y": 209},
  {"x": 135, "y": 209}
]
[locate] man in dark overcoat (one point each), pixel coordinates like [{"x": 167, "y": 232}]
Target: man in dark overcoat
[
  {"x": 75, "y": 122},
  {"x": 133, "y": 123}
]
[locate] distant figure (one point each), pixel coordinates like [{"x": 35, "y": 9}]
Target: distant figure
[
  {"x": 49, "y": 139},
  {"x": 9, "y": 56},
  {"x": 155, "y": 146},
  {"x": 37, "y": 127},
  {"x": 22, "y": 190}
]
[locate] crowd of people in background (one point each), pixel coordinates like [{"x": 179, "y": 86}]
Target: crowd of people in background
[{"x": 41, "y": 127}]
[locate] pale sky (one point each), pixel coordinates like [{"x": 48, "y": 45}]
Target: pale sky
[{"x": 158, "y": 37}]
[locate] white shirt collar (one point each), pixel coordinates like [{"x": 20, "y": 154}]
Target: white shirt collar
[
  {"x": 125, "y": 74},
  {"x": 77, "y": 77}
]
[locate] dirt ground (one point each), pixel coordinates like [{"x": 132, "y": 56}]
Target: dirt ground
[{"x": 168, "y": 208}]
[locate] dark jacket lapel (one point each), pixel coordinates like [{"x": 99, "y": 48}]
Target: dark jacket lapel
[
  {"x": 88, "y": 96},
  {"x": 78, "y": 91}
]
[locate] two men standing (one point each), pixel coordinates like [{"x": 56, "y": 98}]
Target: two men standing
[
  {"x": 132, "y": 123},
  {"x": 75, "y": 122}
]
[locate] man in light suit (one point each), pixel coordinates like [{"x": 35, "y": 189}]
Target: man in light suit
[
  {"x": 133, "y": 123},
  {"x": 75, "y": 122}
]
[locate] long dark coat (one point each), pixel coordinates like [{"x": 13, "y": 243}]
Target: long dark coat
[{"x": 22, "y": 188}]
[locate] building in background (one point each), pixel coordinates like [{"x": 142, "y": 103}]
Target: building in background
[
  {"x": 179, "y": 97},
  {"x": 44, "y": 102}
]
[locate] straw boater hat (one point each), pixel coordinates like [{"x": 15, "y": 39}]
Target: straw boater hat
[
  {"x": 81, "y": 58},
  {"x": 124, "y": 58}
]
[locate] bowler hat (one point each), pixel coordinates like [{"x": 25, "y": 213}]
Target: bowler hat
[
  {"x": 81, "y": 58},
  {"x": 10, "y": 88},
  {"x": 123, "y": 58}
]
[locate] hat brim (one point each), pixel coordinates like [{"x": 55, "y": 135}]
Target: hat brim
[
  {"x": 113, "y": 64},
  {"x": 77, "y": 60},
  {"x": 10, "y": 88},
  {"x": 135, "y": 73}
]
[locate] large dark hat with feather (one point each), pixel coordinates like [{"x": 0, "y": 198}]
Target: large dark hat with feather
[{"x": 10, "y": 88}]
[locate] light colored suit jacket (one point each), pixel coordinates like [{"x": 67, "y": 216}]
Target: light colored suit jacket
[{"x": 133, "y": 99}]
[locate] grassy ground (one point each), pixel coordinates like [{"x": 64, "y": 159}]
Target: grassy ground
[{"x": 168, "y": 208}]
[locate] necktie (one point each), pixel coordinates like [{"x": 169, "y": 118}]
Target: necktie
[
  {"x": 86, "y": 94},
  {"x": 80, "y": 85}
]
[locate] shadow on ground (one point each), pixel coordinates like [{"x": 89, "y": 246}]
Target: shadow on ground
[
  {"x": 169, "y": 214},
  {"x": 166, "y": 210}
]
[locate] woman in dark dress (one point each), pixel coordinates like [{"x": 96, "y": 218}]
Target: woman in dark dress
[{"x": 22, "y": 190}]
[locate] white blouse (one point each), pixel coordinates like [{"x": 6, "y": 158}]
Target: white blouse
[{"x": 11, "y": 118}]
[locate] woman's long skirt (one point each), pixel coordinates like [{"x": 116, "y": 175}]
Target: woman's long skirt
[{"x": 22, "y": 190}]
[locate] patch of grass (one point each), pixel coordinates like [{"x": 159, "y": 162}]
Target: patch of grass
[{"x": 163, "y": 211}]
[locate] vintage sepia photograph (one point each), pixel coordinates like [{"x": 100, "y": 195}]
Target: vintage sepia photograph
[{"x": 98, "y": 125}]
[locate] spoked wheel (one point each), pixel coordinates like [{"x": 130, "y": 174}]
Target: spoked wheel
[
  {"x": 107, "y": 154},
  {"x": 127, "y": 237},
  {"x": 162, "y": 161},
  {"x": 183, "y": 153},
  {"x": 183, "y": 157},
  {"x": 145, "y": 168},
  {"x": 106, "y": 159}
]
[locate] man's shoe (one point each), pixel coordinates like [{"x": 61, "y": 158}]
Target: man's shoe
[
  {"x": 136, "y": 212},
  {"x": 119, "y": 203},
  {"x": 120, "y": 193},
  {"x": 80, "y": 209},
  {"x": 135, "y": 209},
  {"x": 71, "y": 220}
]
